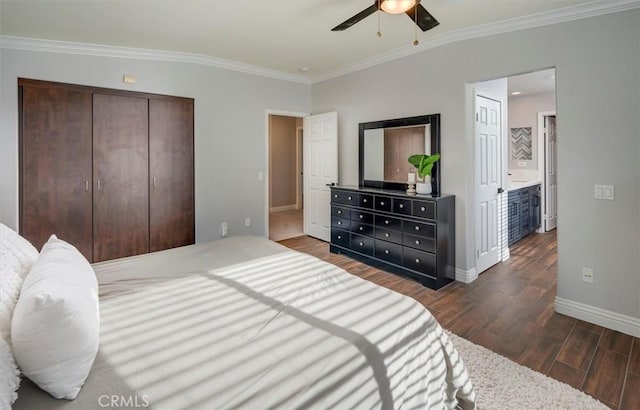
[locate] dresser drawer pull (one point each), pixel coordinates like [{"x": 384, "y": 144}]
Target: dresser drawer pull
[
  {"x": 365, "y": 200},
  {"x": 401, "y": 206},
  {"x": 339, "y": 236},
  {"x": 417, "y": 260},
  {"x": 382, "y": 203},
  {"x": 361, "y": 216},
  {"x": 417, "y": 228},
  {"x": 386, "y": 251},
  {"x": 386, "y": 222},
  {"x": 339, "y": 222},
  {"x": 362, "y": 228},
  {"x": 339, "y": 212},
  {"x": 417, "y": 242},
  {"x": 386, "y": 234},
  {"x": 335, "y": 195},
  {"x": 361, "y": 243},
  {"x": 349, "y": 198},
  {"x": 422, "y": 208}
]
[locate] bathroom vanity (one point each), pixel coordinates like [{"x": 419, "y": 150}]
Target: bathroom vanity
[{"x": 524, "y": 209}]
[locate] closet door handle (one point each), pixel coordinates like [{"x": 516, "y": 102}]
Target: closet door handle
[
  {"x": 153, "y": 181},
  {"x": 99, "y": 185},
  {"x": 86, "y": 185}
]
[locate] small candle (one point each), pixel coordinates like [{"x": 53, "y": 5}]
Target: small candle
[{"x": 412, "y": 177}]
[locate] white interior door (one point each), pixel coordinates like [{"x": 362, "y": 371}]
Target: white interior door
[
  {"x": 320, "y": 162},
  {"x": 550, "y": 174},
  {"x": 488, "y": 180}
]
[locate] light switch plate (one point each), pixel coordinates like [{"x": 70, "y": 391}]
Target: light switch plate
[{"x": 603, "y": 192}]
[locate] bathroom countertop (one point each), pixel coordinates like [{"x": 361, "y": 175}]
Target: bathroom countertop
[{"x": 513, "y": 185}]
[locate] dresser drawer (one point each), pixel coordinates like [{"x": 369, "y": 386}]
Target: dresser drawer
[
  {"x": 419, "y": 229},
  {"x": 419, "y": 242},
  {"x": 361, "y": 244},
  {"x": 340, "y": 212},
  {"x": 366, "y": 201},
  {"x": 387, "y": 222},
  {"x": 419, "y": 261},
  {"x": 402, "y": 206},
  {"x": 345, "y": 197},
  {"x": 388, "y": 251},
  {"x": 340, "y": 238},
  {"x": 341, "y": 223},
  {"x": 360, "y": 216},
  {"x": 388, "y": 234},
  {"x": 361, "y": 228},
  {"x": 424, "y": 209},
  {"x": 382, "y": 203}
]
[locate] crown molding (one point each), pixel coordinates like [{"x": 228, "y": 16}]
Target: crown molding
[
  {"x": 591, "y": 9},
  {"x": 565, "y": 14},
  {"x": 67, "y": 47}
]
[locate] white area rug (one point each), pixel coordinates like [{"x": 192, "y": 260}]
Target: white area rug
[{"x": 503, "y": 384}]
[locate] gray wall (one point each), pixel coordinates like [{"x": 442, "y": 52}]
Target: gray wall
[
  {"x": 597, "y": 64},
  {"x": 230, "y": 126},
  {"x": 523, "y": 112}
]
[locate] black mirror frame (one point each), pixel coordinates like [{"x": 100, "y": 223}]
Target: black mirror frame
[{"x": 432, "y": 119}]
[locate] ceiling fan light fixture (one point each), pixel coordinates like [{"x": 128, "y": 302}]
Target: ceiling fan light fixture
[{"x": 397, "y": 6}]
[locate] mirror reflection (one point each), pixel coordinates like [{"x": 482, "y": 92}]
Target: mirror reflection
[{"x": 387, "y": 149}]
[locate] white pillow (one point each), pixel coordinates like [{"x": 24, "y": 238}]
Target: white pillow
[
  {"x": 17, "y": 256},
  {"x": 56, "y": 322},
  {"x": 9, "y": 376}
]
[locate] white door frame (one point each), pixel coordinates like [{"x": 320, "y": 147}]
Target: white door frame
[
  {"x": 299, "y": 165},
  {"x": 542, "y": 158},
  {"x": 266, "y": 175}
]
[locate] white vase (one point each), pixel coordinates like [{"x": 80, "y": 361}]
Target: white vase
[{"x": 423, "y": 188}]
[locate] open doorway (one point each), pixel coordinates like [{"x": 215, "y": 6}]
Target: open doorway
[
  {"x": 515, "y": 156},
  {"x": 532, "y": 150},
  {"x": 285, "y": 162}
]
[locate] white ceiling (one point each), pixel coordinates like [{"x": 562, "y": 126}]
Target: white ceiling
[
  {"x": 281, "y": 35},
  {"x": 538, "y": 82}
]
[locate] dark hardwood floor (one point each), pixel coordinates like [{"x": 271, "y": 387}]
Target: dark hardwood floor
[{"x": 509, "y": 309}]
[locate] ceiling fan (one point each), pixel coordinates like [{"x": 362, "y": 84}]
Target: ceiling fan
[{"x": 412, "y": 8}]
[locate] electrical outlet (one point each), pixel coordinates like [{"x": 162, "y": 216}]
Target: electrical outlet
[
  {"x": 587, "y": 275},
  {"x": 225, "y": 229},
  {"x": 247, "y": 222},
  {"x": 603, "y": 192}
]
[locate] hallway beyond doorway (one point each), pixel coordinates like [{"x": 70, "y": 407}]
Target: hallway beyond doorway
[{"x": 285, "y": 224}]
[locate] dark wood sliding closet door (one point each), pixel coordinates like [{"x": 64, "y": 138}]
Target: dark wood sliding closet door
[
  {"x": 55, "y": 166},
  {"x": 171, "y": 206},
  {"x": 120, "y": 170}
]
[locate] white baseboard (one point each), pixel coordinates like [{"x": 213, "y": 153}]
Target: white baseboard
[
  {"x": 612, "y": 320},
  {"x": 466, "y": 276},
  {"x": 283, "y": 208}
]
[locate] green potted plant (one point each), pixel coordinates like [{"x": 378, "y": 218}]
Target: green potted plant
[{"x": 423, "y": 163}]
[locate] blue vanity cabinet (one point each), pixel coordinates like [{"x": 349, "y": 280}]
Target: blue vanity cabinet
[{"x": 523, "y": 212}]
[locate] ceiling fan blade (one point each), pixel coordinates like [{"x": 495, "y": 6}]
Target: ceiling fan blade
[
  {"x": 353, "y": 20},
  {"x": 424, "y": 19}
]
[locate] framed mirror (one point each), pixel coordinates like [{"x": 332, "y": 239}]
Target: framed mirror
[{"x": 385, "y": 146}]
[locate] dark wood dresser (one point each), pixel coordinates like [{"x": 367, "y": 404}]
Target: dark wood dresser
[{"x": 409, "y": 235}]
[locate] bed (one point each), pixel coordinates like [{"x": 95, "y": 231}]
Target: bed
[{"x": 244, "y": 322}]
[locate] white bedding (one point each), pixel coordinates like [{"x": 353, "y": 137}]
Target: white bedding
[{"x": 246, "y": 323}]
